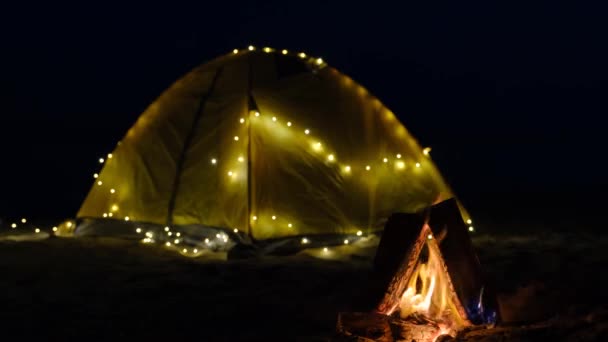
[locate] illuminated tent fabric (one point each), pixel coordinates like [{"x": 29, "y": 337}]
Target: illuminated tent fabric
[{"x": 271, "y": 143}]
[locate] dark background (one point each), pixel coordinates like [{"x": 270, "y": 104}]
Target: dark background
[{"x": 510, "y": 96}]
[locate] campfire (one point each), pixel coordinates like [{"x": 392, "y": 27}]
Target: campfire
[{"x": 427, "y": 283}]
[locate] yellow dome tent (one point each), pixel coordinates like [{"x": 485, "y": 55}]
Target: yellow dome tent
[{"x": 268, "y": 144}]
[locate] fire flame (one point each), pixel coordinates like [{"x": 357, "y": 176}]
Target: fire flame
[{"x": 429, "y": 292}]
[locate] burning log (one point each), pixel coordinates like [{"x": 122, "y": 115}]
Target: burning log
[{"x": 425, "y": 270}]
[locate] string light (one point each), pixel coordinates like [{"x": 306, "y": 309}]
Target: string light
[
  {"x": 195, "y": 250},
  {"x": 255, "y": 218},
  {"x": 325, "y": 249},
  {"x": 236, "y": 138},
  {"x": 289, "y": 225},
  {"x": 176, "y": 241},
  {"x": 319, "y": 61},
  {"x": 471, "y": 229},
  {"x": 99, "y": 183},
  {"x": 105, "y": 214},
  {"x": 242, "y": 120},
  {"x": 37, "y": 230},
  {"x": 241, "y": 159},
  {"x": 305, "y": 241},
  {"x": 55, "y": 229},
  {"x": 274, "y": 118},
  {"x": 307, "y": 131},
  {"x": 69, "y": 224},
  {"x": 317, "y": 146},
  {"x": 417, "y": 164},
  {"x": 430, "y": 236},
  {"x": 274, "y": 217},
  {"x": 114, "y": 207},
  {"x": 126, "y": 218},
  {"x": 230, "y": 173},
  {"x": 112, "y": 191},
  {"x": 235, "y": 230},
  {"x": 398, "y": 156},
  {"x": 149, "y": 234},
  {"x": 178, "y": 234},
  {"x": 23, "y": 220},
  {"x": 267, "y": 49},
  {"x": 385, "y": 160},
  {"x": 110, "y": 214},
  {"x": 469, "y": 221},
  {"x": 101, "y": 160},
  {"x": 14, "y": 225},
  {"x": 213, "y": 161},
  {"x": 138, "y": 230},
  {"x": 170, "y": 233},
  {"x": 110, "y": 155},
  {"x": 400, "y": 164},
  {"x": 426, "y": 151},
  {"x": 284, "y": 52},
  {"x": 359, "y": 233},
  {"x": 251, "y": 47},
  {"x": 367, "y": 167},
  {"x": 185, "y": 250},
  {"x": 347, "y": 168},
  {"x": 289, "y": 124},
  {"x": 168, "y": 244},
  {"x": 256, "y": 113},
  {"x": 330, "y": 157},
  {"x": 346, "y": 242},
  {"x": 95, "y": 175},
  {"x": 235, "y": 51},
  {"x": 166, "y": 229},
  {"x": 207, "y": 240},
  {"x": 302, "y": 55}
]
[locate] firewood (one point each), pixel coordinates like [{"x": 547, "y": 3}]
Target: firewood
[{"x": 364, "y": 326}]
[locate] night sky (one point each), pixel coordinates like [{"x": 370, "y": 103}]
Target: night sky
[{"x": 510, "y": 97}]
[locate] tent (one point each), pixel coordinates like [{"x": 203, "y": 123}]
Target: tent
[{"x": 269, "y": 144}]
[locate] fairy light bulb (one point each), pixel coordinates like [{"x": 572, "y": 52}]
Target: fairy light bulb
[
  {"x": 236, "y": 138},
  {"x": 302, "y": 55},
  {"x": 178, "y": 234},
  {"x": 346, "y": 242},
  {"x": 37, "y": 230},
  {"x": 195, "y": 250},
  {"x": 255, "y": 218},
  {"x": 274, "y": 118},
  {"x": 284, "y": 52},
  {"x": 325, "y": 249},
  {"x": 367, "y": 167},
  {"x": 471, "y": 229},
  {"x": 289, "y": 124},
  {"x": 110, "y": 214},
  {"x": 256, "y": 113},
  {"x": 230, "y": 173},
  {"x": 14, "y": 225},
  {"x": 305, "y": 241},
  {"x": 213, "y": 161},
  {"x": 126, "y": 218},
  {"x": 330, "y": 157},
  {"x": 251, "y": 47},
  {"x": 242, "y": 120},
  {"x": 267, "y": 49},
  {"x": 185, "y": 250},
  {"x": 398, "y": 155},
  {"x": 385, "y": 160},
  {"x": 138, "y": 230},
  {"x": 114, "y": 207},
  {"x": 99, "y": 183},
  {"x": 274, "y": 217},
  {"x": 235, "y": 230},
  {"x": 23, "y": 220},
  {"x": 101, "y": 160},
  {"x": 112, "y": 191},
  {"x": 55, "y": 229},
  {"x": 105, "y": 214},
  {"x": 307, "y": 131},
  {"x": 400, "y": 164},
  {"x": 430, "y": 236},
  {"x": 110, "y": 155},
  {"x": 207, "y": 240},
  {"x": 241, "y": 159},
  {"x": 95, "y": 175},
  {"x": 69, "y": 224},
  {"x": 289, "y": 225},
  {"x": 235, "y": 51},
  {"x": 168, "y": 244},
  {"x": 319, "y": 61},
  {"x": 317, "y": 146},
  {"x": 359, "y": 233},
  {"x": 166, "y": 229},
  {"x": 469, "y": 221},
  {"x": 176, "y": 241},
  {"x": 418, "y": 165},
  {"x": 347, "y": 168},
  {"x": 426, "y": 151}
]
